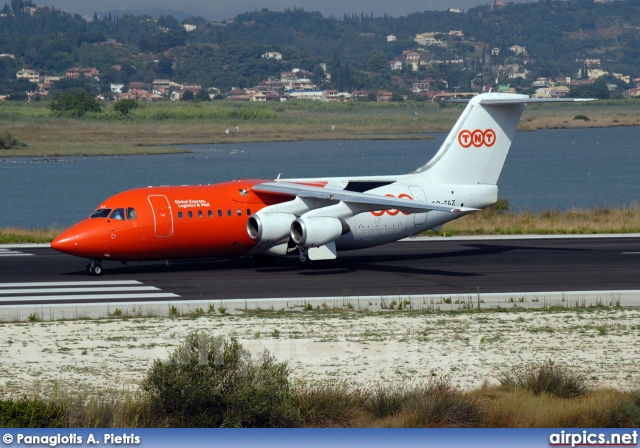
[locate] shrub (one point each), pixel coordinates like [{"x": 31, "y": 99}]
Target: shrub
[
  {"x": 213, "y": 382},
  {"x": 439, "y": 404},
  {"x": 8, "y": 141},
  {"x": 582, "y": 117},
  {"x": 75, "y": 103},
  {"x": 31, "y": 413},
  {"x": 125, "y": 106},
  {"x": 547, "y": 378}
]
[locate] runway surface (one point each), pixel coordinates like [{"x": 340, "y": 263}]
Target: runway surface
[{"x": 40, "y": 275}]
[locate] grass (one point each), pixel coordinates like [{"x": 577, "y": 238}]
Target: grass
[
  {"x": 147, "y": 129},
  {"x": 436, "y": 403},
  {"x": 574, "y": 221}
]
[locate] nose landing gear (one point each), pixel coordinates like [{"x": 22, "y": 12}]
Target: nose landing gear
[{"x": 94, "y": 268}]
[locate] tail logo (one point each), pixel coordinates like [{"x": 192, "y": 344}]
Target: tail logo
[{"x": 477, "y": 138}]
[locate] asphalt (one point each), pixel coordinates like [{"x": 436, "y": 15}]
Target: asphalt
[{"x": 37, "y": 274}]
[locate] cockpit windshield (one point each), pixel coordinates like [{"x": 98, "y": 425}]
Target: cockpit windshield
[
  {"x": 101, "y": 213},
  {"x": 117, "y": 214}
]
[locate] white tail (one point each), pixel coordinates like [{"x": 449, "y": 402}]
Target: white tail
[{"x": 476, "y": 148}]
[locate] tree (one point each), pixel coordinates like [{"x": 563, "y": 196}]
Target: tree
[
  {"x": 202, "y": 95},
  {"x": 188, "y": 96},
  {"x": 76, "y": 103},
  {"x": 125, "y": 106},
  {"x": 378, "y": 63}
]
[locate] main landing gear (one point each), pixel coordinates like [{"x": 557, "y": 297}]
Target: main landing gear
[{"x": 94, "y": 268}]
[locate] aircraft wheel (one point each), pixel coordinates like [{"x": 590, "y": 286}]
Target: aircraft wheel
[
  {"x": 87, "y": 269},
  {"x": 95, "y": 268}
]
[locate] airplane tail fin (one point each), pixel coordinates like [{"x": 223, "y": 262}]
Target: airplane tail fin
[{"x": 476, "y": 148}]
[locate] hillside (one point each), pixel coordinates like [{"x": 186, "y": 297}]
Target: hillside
[{"x": 515, "y": 43}]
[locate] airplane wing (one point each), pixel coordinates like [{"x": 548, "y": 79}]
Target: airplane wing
[{"x": 373, "y": 201}]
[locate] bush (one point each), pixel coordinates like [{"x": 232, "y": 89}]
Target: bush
[
  {"x": 213, "y": 382},
  {"x": 438, "y": 404},
  {"x": 547, "y": 378},
  {"x": 125, "y": 106},
  {"x": 8, "y": 141},
  {"x": 75, "y": 103},
  {"x": 34, "y": 413}
]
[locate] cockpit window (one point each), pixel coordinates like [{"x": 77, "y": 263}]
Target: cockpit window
[
  {"x": 131, "y": 213},
  {"x": 117, "y": 214},
  {"x": 101, "y": 213}
]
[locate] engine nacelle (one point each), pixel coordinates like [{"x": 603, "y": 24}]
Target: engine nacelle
[
  {"x": 316, "y": 232},
  {"x": 269, "y": 228}
]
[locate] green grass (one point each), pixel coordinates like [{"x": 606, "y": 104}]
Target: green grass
[{"x": 171, "y": 123}]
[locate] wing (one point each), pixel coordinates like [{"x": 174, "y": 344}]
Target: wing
[{"x": 368, "y": 200}]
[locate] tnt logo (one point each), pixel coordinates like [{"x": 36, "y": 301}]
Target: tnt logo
[{"x": 477, "y": 138}]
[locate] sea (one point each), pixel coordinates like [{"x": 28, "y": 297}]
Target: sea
[{"x": 546, "y": 169}]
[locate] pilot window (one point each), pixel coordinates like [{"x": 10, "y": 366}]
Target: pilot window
[
  {"x": 117, "y": 214},
  {"x": 101, "y": 213},
  {"x": 190, "y": 214},
  {"x": 131, "y": 213}
]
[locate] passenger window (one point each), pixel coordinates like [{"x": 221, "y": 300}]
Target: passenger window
[
  {"x": 101, "y": 213},
  {"x": 248, "y": 212},
  {"x": 210, "y": 213},
  {"x": 199, "y": 213},
  {"x": 239, "y": 212},
  {"x": 131, "y": 213},
  {"x": 117, "y": 214},
  {"x": 229, "y": 212},
  {"x": 180, "y": 215},
  {"x": 220, "y": 213},
  {"x": 190, "y": 214}
]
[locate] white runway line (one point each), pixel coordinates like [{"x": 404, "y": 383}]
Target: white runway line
[
  {"x": 90, "y": 297},
  {"x": 114, "y": 290},
  {"x": 13, "y": 253},
  {"x": 80, "y": 283}
]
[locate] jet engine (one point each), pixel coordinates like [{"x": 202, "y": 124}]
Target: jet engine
[
  {"x": 269, "y": 228},
  {"x": 316, "y": 232}
]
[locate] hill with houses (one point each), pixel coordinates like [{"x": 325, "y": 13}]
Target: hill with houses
[{"x": 545, "y": 48}]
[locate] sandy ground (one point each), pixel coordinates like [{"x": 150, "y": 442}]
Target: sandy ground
[{"x": 114, "y": 354}]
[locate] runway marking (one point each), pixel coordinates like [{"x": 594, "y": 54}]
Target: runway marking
[
  {"x": 630, "y": 253},
  {"x": 80, "y": 283},
  {"x": 13, "y": 253},
  {"x": 57, "y": 290},
  {"x": 115, "y": 290}
]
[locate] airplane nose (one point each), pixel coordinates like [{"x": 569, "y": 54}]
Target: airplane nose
[{"x": 66, "y": 242}]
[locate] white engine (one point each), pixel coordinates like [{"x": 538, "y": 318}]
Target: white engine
[
  {"x": 269, "y": 228},
  {"x": 316, "y": 232}
]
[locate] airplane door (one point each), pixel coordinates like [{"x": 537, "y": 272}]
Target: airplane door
[
  {"x": 161, "y": 215},
  {"x": 418, "y": 195}
]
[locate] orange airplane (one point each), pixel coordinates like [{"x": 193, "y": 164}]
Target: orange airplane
[{"x": 313, "y": 218}]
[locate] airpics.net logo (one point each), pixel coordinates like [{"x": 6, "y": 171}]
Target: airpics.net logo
[
  {"x": 477, "y": 138},
  {"x": 586, "y": 438}
]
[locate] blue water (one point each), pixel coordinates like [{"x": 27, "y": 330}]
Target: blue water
[{"x": 556, "y": 169}]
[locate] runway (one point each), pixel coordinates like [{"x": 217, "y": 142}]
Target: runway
[{"x": 437, "y": 266}]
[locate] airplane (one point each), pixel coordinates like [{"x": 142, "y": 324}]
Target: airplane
[{"x": 313, "y": 218}]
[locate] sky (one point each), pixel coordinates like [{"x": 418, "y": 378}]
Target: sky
[{"x": 219, "y": 10}]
